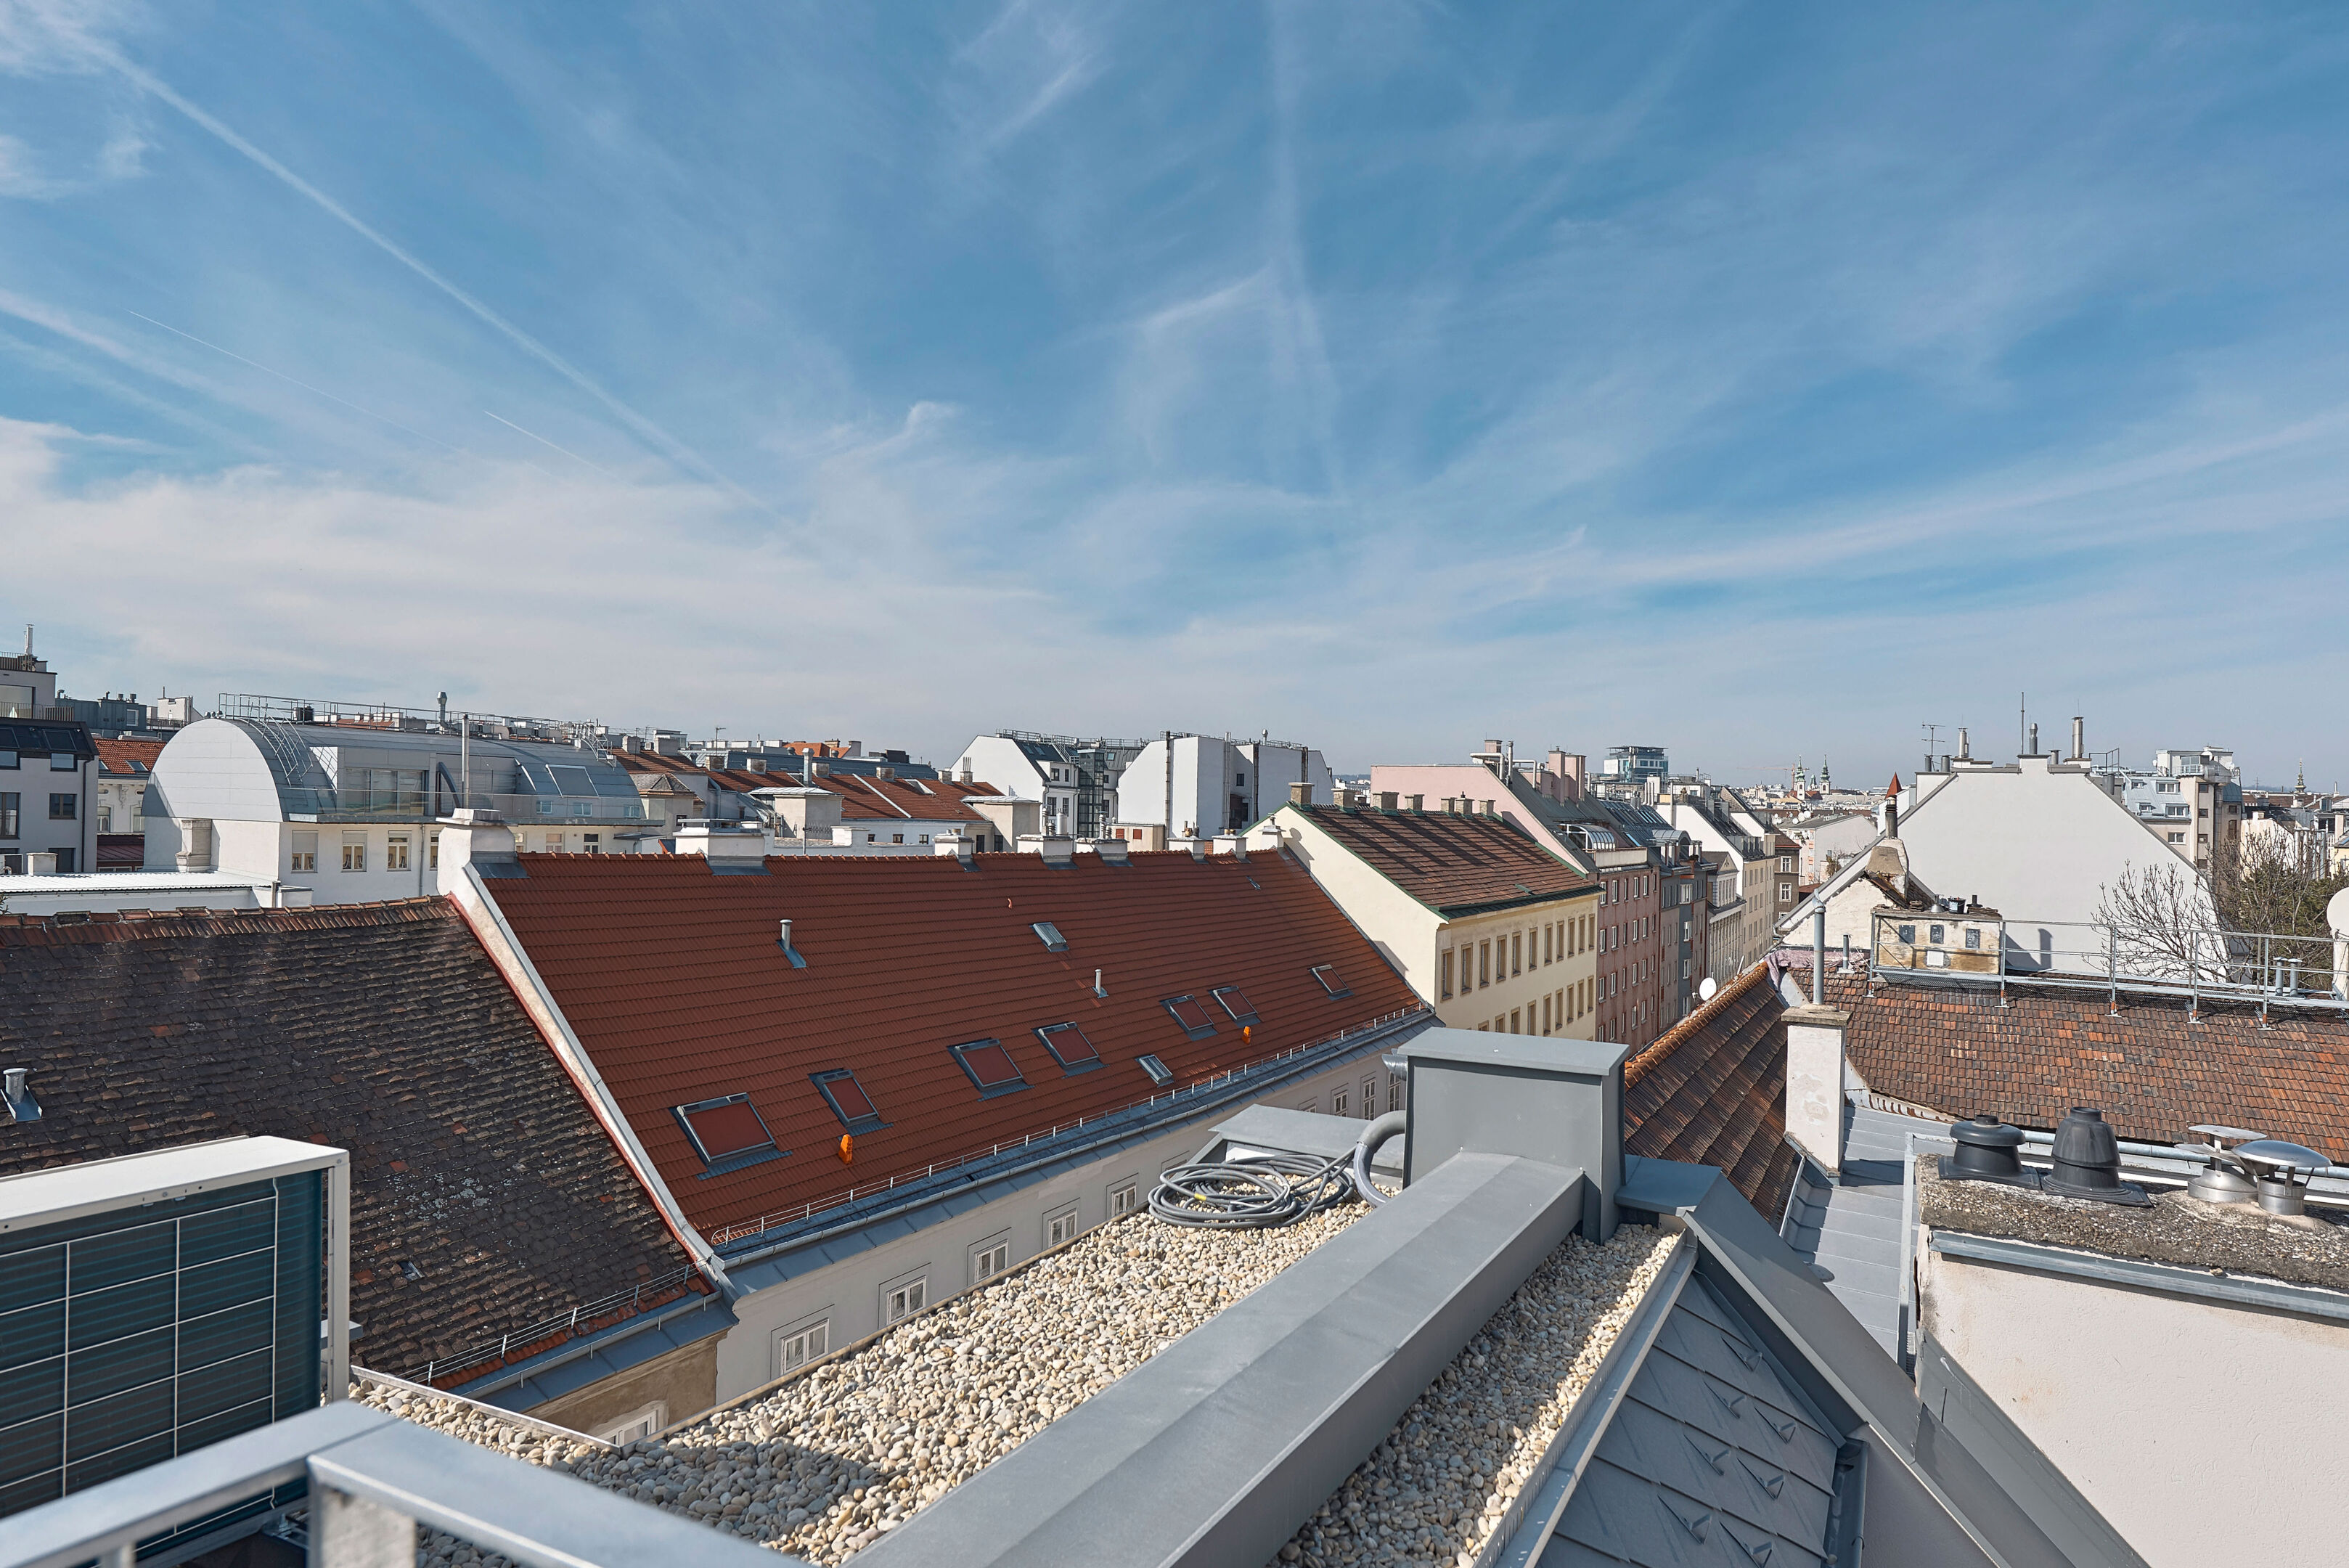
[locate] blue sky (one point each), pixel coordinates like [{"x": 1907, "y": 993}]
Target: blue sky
[{"x": 1760, "y": 380}]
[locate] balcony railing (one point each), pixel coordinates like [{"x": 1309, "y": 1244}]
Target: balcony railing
[{"x": 372, "y": 1479}]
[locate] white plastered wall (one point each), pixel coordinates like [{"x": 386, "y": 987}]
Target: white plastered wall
[{"x": 2203, "y": 1433}]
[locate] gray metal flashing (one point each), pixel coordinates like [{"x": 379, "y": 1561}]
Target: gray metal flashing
[
  {"x": 1532, "y": 1519},
  {"x": 2168, "y": 1278},
  {"x": 1210, "y": 1452},
  {"x": 755, "y": 1263},
  {"x": 574, "y": 1363}
]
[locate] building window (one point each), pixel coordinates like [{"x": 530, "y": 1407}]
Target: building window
[
  {"x": 1908, "y": 934},
  {"x": 989, "y": 1260},
  {"x": 1513, "y": 1021},
  {"x": 1069, "y": 1048},
  {"x": 1369, "y": 1099},
  {"x": 1062, "y": 1228},
  {"x": 795, "y": 1347},
  {"x": 62, "y": 807},
  {"x": 63, "y": 761},
  {"x": 1484, "y": 964},
  {"x": 1973, "y": 938},
  {"x": 354, "y": 852},
  {"x": 897, "y": 838},
  {"x": 8, "y": 759},
  {"x": 395, "y": 853},
  {"x": 1786, "y": 892},
  {"x": 848, "y": 1100},
  {"x": 1444, "y": 967},
  {"x": 641, "y": 1422},
  {"x": 1195, "y": 1018},
  {"x": 106, "y": 819},
  {"x": 1549, "y": 942},
  {"x": 305, "y": 852},
  {"x": 728, "y": 1133},
  {"x": 990, "y": 1067},
  {"x": 1516, "y": 953},
  {"x": 1123, "y": 1199},
  {"x": 901, "y": 1301},
  {"x": 432, "y": 850},
  {"x": 10, "y": 811},
  {"x": 1234, "y": 1003},
  {"x": 1340, "y": 1102}
]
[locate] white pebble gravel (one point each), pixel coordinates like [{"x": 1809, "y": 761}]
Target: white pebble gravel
[
  {"x": 1435, "y": 1488},
  {"x": 827, "y": 1462}
]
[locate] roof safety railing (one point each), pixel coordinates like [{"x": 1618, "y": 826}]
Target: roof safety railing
[
  {"x": 741, "y": 1229},
  {"x": 601, "y": 1313},
  {"x": 2195, "y": 961}
]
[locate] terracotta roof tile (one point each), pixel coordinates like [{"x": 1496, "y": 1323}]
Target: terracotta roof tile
[
  {"x": 1958, "y": 1048},
  {"x": 1712, "y": 1091},
  {"x": 675, "y": 982},
  {"x": 129, "y": 757},
  {"x": 1451, "y": 862},
  {"x": 380, "y": 1028}
]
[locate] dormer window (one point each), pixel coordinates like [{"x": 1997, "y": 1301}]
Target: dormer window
[
  {"x": 848, "y": 1100},
  {"x": 1195, "y": 1018},
  {"x": 728, "y": 1133},
  {"x": 990, "y": 1067}
]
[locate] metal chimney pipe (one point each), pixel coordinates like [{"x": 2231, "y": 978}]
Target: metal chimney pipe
[
  {"x": 1819, "y": 956},
  {"x": 787, "y": 932},
  {"x": 1965, "y": 746},
  {"x": 2034, "y": 739},
  {"x": 2079, "y": 739}
]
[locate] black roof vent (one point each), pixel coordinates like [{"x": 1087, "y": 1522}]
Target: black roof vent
[
  {"x": 2088, "y": 1162},
  {"x": 1988, "y": 1150}
]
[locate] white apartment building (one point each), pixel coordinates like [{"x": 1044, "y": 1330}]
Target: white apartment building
[{"x": 1194, "y": 785}]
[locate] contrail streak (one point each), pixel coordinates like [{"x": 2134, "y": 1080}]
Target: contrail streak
[
  {"x": 677, "y": 451},
  {"x": 544, "y": 442},
  {"x": 282, "y": 376}
]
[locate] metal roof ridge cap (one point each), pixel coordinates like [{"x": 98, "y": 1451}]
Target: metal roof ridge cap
[
  {"x": 584, "y": 1075},
  {"x": 1520, "y": 1544},
  {"x": 2173, "y": 1279}
]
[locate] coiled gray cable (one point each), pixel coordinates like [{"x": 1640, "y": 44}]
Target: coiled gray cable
[{"x": 1270, "y": 1189}]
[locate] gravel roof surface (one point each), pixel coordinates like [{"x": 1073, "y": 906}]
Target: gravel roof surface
[
  {"x": 1435, "y": 1486},
  {"x": 823, "y": 1464}
]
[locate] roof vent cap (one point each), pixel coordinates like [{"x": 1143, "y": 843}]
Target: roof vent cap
[
  {"x": 2088, "y": 1161},
  {"x": 1988, "y": 1150},
  {"x": 2227, "y": 1179},
  {"x": 22, "y": 1107},
  {"x": 2278, "y": 1166}
]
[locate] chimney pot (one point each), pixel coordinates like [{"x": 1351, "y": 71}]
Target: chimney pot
[
  {"x": 2079, "y": 738},
  {"x": 1301, "y": 794},
  {"x": 786, "y": 925},
  {"x": 1386, "y": 800},
  {"x": 1418, "y": 802}
]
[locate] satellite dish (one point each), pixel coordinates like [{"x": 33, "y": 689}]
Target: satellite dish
[
  {"x": 1705, "y": 992},
  {"x": 2336, "y": 912}
]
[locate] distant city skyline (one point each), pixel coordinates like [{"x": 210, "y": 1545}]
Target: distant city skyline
[{"x": 1760, "y": 383}]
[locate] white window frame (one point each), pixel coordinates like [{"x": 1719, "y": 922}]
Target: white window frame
[
  {"x": 396, "y": 852},
  {"x": 814, "y": 1325},
  {"x": 1062, "y": 1225},
  {"x": 1340, "y": 1101},
  {"x": 641, "y": 1422},
  {"x": 1123, "y": 1196},
  {"x": 990, "y": 1259},
  {"x": 905, "y": 1296}
]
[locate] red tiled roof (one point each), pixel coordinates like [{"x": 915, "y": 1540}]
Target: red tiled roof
[
  {"x": 379, "y": 1028},
  {"x": 121, "y": 851},
  {"x": 117, "y": 756},
  {"x": 1451, "y": 862},
  {"x": 1957, "y": 1048},
  {"x": 674, "y": 980},
  {"x": 1712, "y": 1091},
  {"x": 865, "y": 798}
]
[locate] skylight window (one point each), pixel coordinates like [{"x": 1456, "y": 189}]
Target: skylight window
[
  {"x": 848, "y": 1100},
  {"x": 990, "y": 1067},
  {"x": 1195, "y": 1018},
  {"x": 1159, "y": 1072},
  {"x": 1235, "y": 1002},
  {"x": 1069, "y": 1046},
  {"x": 1327, "y": 973},
  {"x": 728, "y": 1133},
  {"x": 1051, "y": 934}
]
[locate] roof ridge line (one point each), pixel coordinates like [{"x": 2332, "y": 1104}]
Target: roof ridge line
[{"x": 1639, "y": 1066}]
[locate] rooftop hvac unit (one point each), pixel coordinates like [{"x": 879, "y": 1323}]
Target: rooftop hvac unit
[{"x": 156, "y": 1302}]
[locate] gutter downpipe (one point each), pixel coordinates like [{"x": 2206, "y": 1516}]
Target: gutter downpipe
[
  {"x": 1819, "y": 956},
  {"x": 497, "y": 939}
]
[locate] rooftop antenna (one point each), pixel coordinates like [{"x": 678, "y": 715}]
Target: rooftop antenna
[
  {"x": 2022, "y": 722},
  {"x": 1932, "y": 735}
]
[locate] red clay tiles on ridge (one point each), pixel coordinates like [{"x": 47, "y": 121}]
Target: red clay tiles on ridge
[
  {"x": 1450, "y": 861},
  {"x": 675, "y": 980},
  {"x": 1712, "y": 1091}
]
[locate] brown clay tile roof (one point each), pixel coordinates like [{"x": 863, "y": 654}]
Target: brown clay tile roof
[
  {"x": 117, "y": 756},
  {"x": 1712, "y": 1091},
  {"x": 863, "y": 798},
  {"x": 675, "y": 982},
  {"x": 1451, "y": 862},
  {"x": 379, "y": 1028},
  {"x": 1952, "y": 1047}
]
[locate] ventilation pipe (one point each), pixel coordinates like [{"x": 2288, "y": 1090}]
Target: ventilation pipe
[
  {"x": 2079, "y": 739},
  {"x": 1965, "y": 747},
  {"x": 21, "y": 1105},
  {"x": 2035, "y": 741}
]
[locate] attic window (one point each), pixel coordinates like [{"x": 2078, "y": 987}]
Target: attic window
[
  {"x": 1327, "y": 973},
  {"x": 1051, "y": 934},
  {"x": 1235, "y": 1002},
  {"x": 848, "y": 1100},
  {"x": 1158, "y": 1071},
  {"x": 1194, "y": 1018},
  {"x": 1069, "y": 1046},
  {"x": 990, "y": 1067},
  {"x": 728, "y": 1133}
]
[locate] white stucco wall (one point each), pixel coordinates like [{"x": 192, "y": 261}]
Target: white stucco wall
[{"x": 2203, "y": 1433}]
